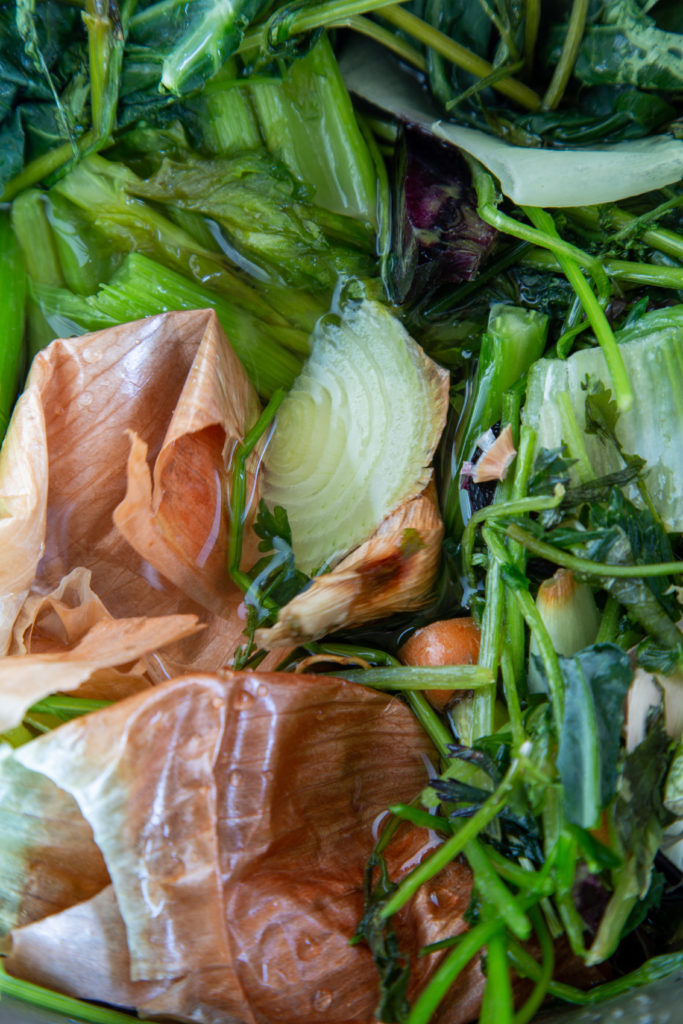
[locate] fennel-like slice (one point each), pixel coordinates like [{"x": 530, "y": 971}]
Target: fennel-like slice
[{"x": 355, "y": 436}]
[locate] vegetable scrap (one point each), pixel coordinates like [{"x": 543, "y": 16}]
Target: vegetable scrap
[{"x": 340, "y": 508}]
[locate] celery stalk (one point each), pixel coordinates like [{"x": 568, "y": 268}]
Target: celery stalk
[
  {"x": 142, "y": 288},
  {"x": 12, "y": 308},
  {"x": 33, "y": 232},
  {"x": 308, "y": 122}
]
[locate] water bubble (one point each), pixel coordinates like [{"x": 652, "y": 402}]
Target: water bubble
[
  {"x": 243, "y": 700},
  {"x": 262, "y": 690},
  {"x": 307, "y": 948},
  {"x": 322, "y": 1000},
  {"x": 235, "y": 778}
]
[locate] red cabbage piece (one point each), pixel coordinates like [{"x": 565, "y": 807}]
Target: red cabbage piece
[{"x": 438, "y": 237}]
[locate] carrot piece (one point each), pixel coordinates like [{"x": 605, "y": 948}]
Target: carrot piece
[{"x": 447, "y": 642}]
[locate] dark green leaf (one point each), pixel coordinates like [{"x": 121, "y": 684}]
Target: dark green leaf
[
  {"x": 596, "y": 681},
  {"x": 273, "y": 524},
  {"x": 551, "y": 467}
]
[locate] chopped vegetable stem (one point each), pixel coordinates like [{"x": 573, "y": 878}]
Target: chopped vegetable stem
[{"x": 427, "y": 677}]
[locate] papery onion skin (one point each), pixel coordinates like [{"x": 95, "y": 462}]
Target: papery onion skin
[{"x": 392, "y": 571}]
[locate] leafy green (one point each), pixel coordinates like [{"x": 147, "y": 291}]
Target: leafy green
[
  {"x": 628, "y": 47},
  {"x": 596, "y": 681}
]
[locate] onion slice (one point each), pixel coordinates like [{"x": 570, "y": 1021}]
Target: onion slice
[{"x": 354, "y": 437}]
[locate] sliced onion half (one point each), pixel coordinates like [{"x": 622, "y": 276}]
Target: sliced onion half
[{"x": 355, "y": 436}]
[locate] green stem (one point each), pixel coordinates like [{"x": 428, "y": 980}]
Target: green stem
[
  {"x": 545, "y": 973},
  {"x": 459, "y": 55},
  {"x": 395, "y": 44},
  {"x": 57, "y": 1003},
  {"x": 448, "y": 970},
  {"x": 496, "y": 1004},
  {"x": 488, "y": 211},
  {"x": 625, "y": 224},
  {"x": 431, "y": 677},
  {"x": 518, "y": 506},
  {"x": 12, "y": 315},
  {"x": 570, "y": 51},
  {"x": 534, "y": 621},
  {"x": 510, "y": 686},
  {"x": 430, "y": 722},
  {"x": 585, "y": 565},
  {"x": 284, "y": 23},
  {"x": 45, "y": 165},
  {"x": 594, "y": 311},
  {"x": 532, "y": 21},
  {"x": 609, "y": 622},
  {"x": 655, "y": 275},
  {"x": 494, "y": 892},
  {"x": 238, "y": 491},
  {"x": 454, "y": 846},
  {"x": 574, "y": 439}
]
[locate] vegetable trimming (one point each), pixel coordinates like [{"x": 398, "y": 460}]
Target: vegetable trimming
[{"x": 156, "y": 178}]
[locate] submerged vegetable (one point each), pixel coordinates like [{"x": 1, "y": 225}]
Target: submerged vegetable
[{"x": 173, "y": 155}]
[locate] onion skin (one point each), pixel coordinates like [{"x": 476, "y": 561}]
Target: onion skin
[{"x": 392, "y": 571}]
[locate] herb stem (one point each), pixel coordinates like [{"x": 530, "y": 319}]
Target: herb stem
[
  {"x": 456, "y": 844},
  {"x": 572, "y": 435},
  {"x": 534, "y": 621},
  {"x": 55, "y": 1001},
  {"x": 44, "y": 165},
  {"x": 532, "y": 22},
  {"x": 570, "y": 51},
  {"x": 625, "y": 224},
  {"x": 238, "y": 491},
  {"x": 585, "y": 565},
  {"x": 496, "y": 1004},
  {"x": 448, "y": 970},
  {"x": 545, "y": 973},
  {"x": 594, "y": 311},
  {"x": 650, "y": 274},
  {"x": 609, "y": 621},
  {"x": 430, "y": 722},
  {"x": 292, "y": 20},
  {"x": 401, "y": 47},
  {"x": 494, "y": 892},
  {"x": 430, "y": 677},
  {"x": 515, "y": 507},
  {"x": 459, "y": 55},
  {"x": 488, "y": 211}
]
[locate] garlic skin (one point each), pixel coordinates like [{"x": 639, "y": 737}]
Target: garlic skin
[
  {"x": 392, "y": 571},
  {"x": 569, "y": 614}
]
